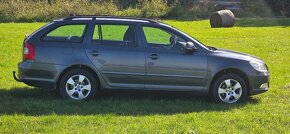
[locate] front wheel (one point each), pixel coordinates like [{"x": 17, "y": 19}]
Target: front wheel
[
  {"x": 78, "y": 84},
  {"x": 229, "y": 88}
]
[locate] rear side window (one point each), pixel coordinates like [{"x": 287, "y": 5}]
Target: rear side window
[
  {"x": 66, "y": 33},
  {"x": 108, "y": 34},
  {"x": 113, "y": 32}
]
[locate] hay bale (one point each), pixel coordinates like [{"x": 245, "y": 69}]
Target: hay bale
[{"x": 222, "y": 18}]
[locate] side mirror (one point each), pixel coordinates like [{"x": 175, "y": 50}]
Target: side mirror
[{"x": 188, "y": 46}]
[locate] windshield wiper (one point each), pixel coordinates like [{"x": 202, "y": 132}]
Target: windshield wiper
[{"x": 211, "y": 48}]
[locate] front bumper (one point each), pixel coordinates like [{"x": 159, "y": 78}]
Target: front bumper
[{"x": 259, "y": 82}]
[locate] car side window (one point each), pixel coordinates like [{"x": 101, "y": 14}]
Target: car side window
[
  {"x": 108, "y": 34},
  {"x": 66, "y": 33},
  {"x": 158, "y": 37}
]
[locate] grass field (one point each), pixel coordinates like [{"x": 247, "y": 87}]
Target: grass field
[{"x": 25, "y": 109}]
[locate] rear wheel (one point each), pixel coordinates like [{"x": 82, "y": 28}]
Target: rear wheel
[
  {"x": 229, "y": 88},
  {"x": 78, "y": 84}
]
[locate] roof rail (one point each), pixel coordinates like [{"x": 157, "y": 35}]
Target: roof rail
[{"x": 72, "y": 16}]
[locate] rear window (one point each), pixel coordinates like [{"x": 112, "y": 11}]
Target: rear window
[{"x": 66, "y": 33}]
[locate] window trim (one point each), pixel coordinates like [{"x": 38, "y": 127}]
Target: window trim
[
  {"x": 52, "y": 29},
  {"x": 101, "y": 41}
]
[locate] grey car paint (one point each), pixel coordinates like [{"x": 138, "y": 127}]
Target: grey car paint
[{"x": 120, "y": 67}]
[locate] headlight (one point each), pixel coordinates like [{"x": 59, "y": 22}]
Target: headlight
[{"x": 261, "y": 67}]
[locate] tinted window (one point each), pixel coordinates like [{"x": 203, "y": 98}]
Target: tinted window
[
  {"x": 66, "y": 33},
  {"x": 115, "y": 34},
  {"x": 96, "y": 35},
  {"x": 159, "y": 37},
  {"x": 156, "y": 36}
]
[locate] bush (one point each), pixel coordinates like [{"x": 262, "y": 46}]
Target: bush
[
  {"x": 28, "y": 11},
  {"x": 37, "y": 10},
  {"x": 46, "y": 10},
  {"x": 130, "y": 12},
  {"x": 280, "y": 7},
  {"x": 191, "y": 10},
  {"x": 154, "y": 8},
  {"x": 252, "y": 8}
]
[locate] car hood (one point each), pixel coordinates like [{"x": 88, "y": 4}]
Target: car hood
[{"x": 236, "y": 55}]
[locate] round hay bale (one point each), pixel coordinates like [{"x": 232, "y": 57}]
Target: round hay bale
[{"x": 222, "y": 18}]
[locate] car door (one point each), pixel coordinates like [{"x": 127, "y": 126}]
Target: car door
[
  {"x": 116, "y": 54},
  {"x": 168, "y": 66}
]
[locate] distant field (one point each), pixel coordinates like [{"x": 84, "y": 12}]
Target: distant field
[{"x": 25, "y": 109}]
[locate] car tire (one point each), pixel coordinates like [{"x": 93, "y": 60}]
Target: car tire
[
  {"x": 78, "y": 84},
  {"x": 229, "y": 88}
]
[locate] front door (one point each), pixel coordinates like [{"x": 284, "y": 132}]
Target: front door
[
  {"x": 115, "y": 52},
  {"x": 168, "y": 66}
]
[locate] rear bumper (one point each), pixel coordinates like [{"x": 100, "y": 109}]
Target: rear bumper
[
  {"x": 38, "y": 74},
  {"x": 40, "y": 83},
  {"x": 259, "y": 82}
]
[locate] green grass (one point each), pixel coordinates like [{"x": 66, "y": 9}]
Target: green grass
[{"x": 25, "y": 109}]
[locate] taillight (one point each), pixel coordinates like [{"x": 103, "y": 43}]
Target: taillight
[{"x": 28, "y": 51}]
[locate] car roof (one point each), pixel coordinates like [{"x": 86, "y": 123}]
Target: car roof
[{"x": 108, "y": 18}]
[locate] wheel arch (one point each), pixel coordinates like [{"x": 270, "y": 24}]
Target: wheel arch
[
  {"x": 230, "y": 71},
  {"x": 78, "y": 66}
]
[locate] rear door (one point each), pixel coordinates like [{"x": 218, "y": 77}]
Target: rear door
[{"x": 117, "y": 54}]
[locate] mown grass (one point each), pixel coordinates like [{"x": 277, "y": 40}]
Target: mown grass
[{"x": 26, "y": 109}]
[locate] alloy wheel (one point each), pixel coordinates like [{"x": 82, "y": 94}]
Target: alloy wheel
[
  {"x": 78, "y": 87},
  {"x": 230, "y": 91}
]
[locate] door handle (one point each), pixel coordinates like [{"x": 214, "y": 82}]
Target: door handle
[
  {"x": 154, "y": 56},
  {"x": 95, "y": 53}
]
